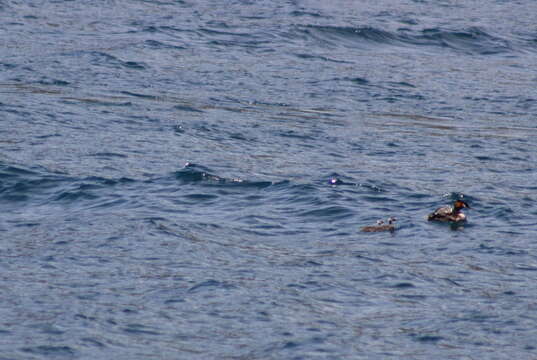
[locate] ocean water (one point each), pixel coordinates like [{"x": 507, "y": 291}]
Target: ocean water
[{"x": 188, "y": 179}]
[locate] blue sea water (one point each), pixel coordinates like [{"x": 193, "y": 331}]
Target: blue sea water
[{"x": 188, "y": 179}]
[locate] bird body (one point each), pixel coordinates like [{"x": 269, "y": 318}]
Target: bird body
[
  {"x": 381, "y": 226},
  {"x": 449, "y": 213}
]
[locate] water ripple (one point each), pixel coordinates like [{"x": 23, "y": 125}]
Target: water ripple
[{"x": 299, "y": 123}]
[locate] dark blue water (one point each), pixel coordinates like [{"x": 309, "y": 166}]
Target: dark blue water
[{"x": 188, "y": 179}]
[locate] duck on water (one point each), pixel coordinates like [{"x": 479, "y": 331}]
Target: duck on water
[
  {"x": 381, "y": 226},
  {"x": 450, "y": 213}
]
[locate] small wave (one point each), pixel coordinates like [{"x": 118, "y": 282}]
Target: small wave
[
  {"x": 108, "y": 155},
  {"x": 193, "y": 173},
  {"x": 336, "y": 179},
  {"x": 210, "y": 285},
  {"x": 18, "y": 184},
  {"x": 70, "y": 196},
  {"x": 96, "y": 101},
  {"x": 32, "y": 89},
  {"x": 297, "y": 13},
  {"x": 235, "y": 38},
  {"x": 347, "y": 36},
  {"x": 142, "y": 96},
  {"x": 22, "y": 186},
  {"x": 470, "y": 41},
  {"x": 154, "y": 44},
  {"x": 93, "y": 189},
  {"x": 318, "y": 57},
  {"x": 328, "y": 213},
  {"x": 100, "y": 58},
  {"x": 187, "y": 108},
  {"x": 50, "y": 351}
]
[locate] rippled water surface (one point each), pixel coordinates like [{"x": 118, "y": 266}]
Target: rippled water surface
[{"x": 188, "y": 179}]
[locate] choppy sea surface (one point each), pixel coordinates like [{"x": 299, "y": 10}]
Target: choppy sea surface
[{"x": 188, "y": 179}]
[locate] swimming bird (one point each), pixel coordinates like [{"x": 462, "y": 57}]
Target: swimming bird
[
  {"x": 381, "y": 226},
  {"x": 449, "y": 213}
]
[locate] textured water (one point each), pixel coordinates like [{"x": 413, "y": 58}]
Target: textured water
[{"x": 188, "y": 179}]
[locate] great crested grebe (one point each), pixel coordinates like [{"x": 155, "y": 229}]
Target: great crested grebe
[
  {"x": 381, "y": 226},
  {"x": 449, "y": 212}
]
